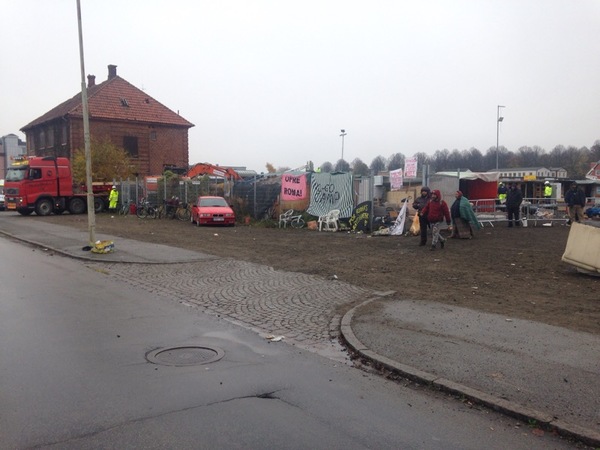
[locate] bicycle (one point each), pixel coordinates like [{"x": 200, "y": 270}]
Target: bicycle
[
  {"x": 124, "y": 209},
  {"x": 146, "y": 210},
  {"x": 297, "y": 222},
  {"x": 184, "y": 212},
  {"x": 169, "y": 209}
]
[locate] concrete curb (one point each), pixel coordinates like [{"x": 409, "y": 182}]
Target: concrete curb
[
  {"x": 512, "y": 409},
  {"x": 101, "y": 257}
]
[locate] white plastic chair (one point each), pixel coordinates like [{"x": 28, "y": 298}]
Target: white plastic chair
[{"x": 330, "y": 221}]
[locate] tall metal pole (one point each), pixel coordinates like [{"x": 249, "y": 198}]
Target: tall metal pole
[
  {"x": 342, "y": 135},
  {"x": 498, "y": 120},
  {"x": 86, "y": 138}
]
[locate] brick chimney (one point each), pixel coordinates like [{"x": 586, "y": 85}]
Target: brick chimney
[
  {"x": 112, "y": 71},
  {"x": 91, "y": 80}
]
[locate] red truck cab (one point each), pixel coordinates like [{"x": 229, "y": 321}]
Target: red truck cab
[{"x": 43, "y": 185}]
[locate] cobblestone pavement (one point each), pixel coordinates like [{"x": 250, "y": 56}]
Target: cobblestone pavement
[{"x": 305, "y": 309}]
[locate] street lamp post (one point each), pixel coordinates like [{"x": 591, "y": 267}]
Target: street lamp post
[
  {"x": 499, "y": 119},
  {"x": 342, "y": 135}
]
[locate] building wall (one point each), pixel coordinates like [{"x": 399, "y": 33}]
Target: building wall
[
  {"x": 157, "y": 145},
  {"x": 11, "y": 146}
]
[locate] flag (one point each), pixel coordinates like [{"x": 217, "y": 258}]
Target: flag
[{"x": 398, "y": 228}]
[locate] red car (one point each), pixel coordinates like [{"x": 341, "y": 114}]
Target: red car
[{"x": 212, "y": 211}]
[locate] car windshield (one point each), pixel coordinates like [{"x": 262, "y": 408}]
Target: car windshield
[
  {"x": 15, "y": 174},
  {"x": 217, "y": 201}
]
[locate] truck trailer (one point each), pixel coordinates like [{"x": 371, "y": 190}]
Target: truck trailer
[{"x": 45, "y": 185}]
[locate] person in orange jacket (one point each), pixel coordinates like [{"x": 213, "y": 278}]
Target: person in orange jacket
[{"x": 435, "y": 212}]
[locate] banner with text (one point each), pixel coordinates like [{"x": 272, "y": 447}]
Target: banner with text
[
  {"x": 410, "y": 168},
  {"x": 361, "y": 217},
  {"x": 293, "y": 187},
  {"x": 396, "y": 180},
  {"x": 331, "y": 191}
]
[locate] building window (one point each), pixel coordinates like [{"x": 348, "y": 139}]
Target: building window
[
  {"x": 153, "y": 135},
  {"x": 63, "y": 137},
  {"x": 50, "y": 138},
  {"x": 130, "y": 144},
  {"x": 42, "y": 137}
]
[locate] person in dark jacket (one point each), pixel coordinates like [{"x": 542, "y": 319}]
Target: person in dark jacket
[
  {"x": 514, "y": 198},
  {"x": 419, "y": 204},
  {"x": 436, "y": 211},
  {"x": 575, "y": 199}
]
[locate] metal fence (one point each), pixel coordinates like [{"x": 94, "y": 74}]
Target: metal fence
[
  {"x": 256, "y": 197},
  {"x": 534, "y": 210}
]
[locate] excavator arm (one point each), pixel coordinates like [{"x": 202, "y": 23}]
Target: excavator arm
[{"x": 210, "y": 169}]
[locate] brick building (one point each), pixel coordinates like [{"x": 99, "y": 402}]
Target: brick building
[{"x": 154, "y": 136}]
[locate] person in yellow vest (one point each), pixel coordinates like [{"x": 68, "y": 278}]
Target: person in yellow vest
[
  {"x": 502, "y": 191},
  {"x": 113, "y": 198},
  {"x": 547, "y": 192}
]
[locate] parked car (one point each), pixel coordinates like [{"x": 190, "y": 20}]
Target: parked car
[{"x": 212, "y": 211}]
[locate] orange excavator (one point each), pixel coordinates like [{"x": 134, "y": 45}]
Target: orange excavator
[{"x": 210, "y": 169}]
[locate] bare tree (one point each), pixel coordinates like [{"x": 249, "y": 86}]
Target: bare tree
[
  {"x": 475, "y": 160},
  {"x": 342, "y": 166},
  {"x": 327, "y": 167},
  {"x": 396, "y": 161},
  {"x": 595, "y": 152},
  {"x": 359, "y": 167},
  {"x": 378, "y": 164}
]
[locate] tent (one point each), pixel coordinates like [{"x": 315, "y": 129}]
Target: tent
[{"x": 474, "y": 185}]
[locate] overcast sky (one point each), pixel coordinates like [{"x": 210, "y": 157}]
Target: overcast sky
[{"x": 276, "y": 80}]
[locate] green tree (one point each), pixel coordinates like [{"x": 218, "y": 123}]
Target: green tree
[{"x": 109, "y": 163}]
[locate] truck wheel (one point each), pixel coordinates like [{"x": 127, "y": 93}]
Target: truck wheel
[
  {"x": 77, "y": 206},
  {"x": 99, "y": 205},
  {"x": 44, "y": 207}
]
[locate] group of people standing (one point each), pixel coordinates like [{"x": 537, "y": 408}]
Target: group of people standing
[
  {"x": 433, "y": 211},
  {"x": 512, "y": 197}
]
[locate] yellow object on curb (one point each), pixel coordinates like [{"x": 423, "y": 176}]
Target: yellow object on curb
[{"x": 103, "y": 247}]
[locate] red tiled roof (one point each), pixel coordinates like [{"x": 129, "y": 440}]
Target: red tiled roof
[{"x": 115, "y": 99}]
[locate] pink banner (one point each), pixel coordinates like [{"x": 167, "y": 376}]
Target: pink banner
[
  {"x": 396, "y": 180},
  {"x": 293, "y": 187},
  {"x": 410, "y": 168}
]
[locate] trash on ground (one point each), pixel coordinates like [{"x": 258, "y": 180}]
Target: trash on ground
[{"x": 103, "y": 247}]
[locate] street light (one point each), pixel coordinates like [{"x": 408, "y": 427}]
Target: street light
[
  {"x": 342, "y": 135},
  {"x": 499, "y": 119}
]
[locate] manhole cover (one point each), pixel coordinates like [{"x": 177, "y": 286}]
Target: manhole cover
[{"x": 185, "y": 356}]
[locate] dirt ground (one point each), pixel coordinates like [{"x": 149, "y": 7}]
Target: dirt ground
[{"x": 516, "y": 272}]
